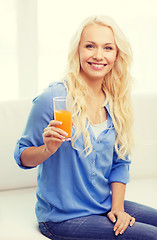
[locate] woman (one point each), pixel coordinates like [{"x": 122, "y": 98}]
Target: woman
[{"x": 81, "y": 184}]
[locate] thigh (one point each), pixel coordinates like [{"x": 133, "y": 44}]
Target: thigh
[
  {"x": 141, "y": 213},
  {"x": 96, "y": 227},
  {"x": 93, "y": 227},
  {"x": 139, "y": 231}
]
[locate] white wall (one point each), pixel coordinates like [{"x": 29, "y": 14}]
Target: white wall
[
  {"x": 59, "y": 19},
  {"x": 35, "y": 35}
]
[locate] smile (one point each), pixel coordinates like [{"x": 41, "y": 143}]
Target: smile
[{"x": 97, "y": 66}]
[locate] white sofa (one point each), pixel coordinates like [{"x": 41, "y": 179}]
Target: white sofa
[{"x": 18, "y": 187}]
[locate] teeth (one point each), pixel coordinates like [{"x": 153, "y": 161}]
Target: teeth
[{"x": 98, "y": 65}]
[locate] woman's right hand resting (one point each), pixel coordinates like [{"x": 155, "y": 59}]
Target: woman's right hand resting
[{"x": 53, "y": 137}]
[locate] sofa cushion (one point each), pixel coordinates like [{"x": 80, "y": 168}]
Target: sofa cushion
[
  {"x": 13, "y": 119},
  {"x": 17, "y": 215},
  {"x": 144, "y": 157}
]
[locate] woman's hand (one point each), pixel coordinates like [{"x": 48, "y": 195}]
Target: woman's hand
[
  {"x": 53, "y": 137},
  {"x": 122, "y": 219}
]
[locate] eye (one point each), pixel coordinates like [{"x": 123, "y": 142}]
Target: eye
[
  {"x": 89, "y": 46},
  {"x": 108, "y": 48}
]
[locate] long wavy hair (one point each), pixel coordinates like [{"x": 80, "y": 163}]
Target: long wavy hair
[{"x": 116, "y": 85}]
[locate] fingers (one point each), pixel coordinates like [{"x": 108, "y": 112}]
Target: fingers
[
  {"x": 52, "y": 135},
  {"x": 111, "y": 217},
  {"x": 55, "y": 132},
  {"x": 132, "y": 221},
  {"x": 52, "y": 131},
  {"x": 123, "y": 221},
  {"x": 54, "y": 123},
  {"x": 121, "y": 226}
]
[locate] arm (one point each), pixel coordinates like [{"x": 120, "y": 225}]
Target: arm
[
  {"x": 34, "y": 156},
  {"x": 118, "y": 179},
  {"x": 41, "y": 137},
  {"x": 118, "y": 194},
  {"x": 117, "y": 213},
  {"x": 52, "y": 138}
]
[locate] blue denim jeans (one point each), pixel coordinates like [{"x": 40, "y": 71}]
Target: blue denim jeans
[{"x": 99, "y": 227}]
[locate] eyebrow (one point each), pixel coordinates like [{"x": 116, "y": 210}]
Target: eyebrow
[{"x": 104, "y": 44}]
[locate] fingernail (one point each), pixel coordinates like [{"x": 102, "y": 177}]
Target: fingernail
[
  {"x": 115, "y": 228},
  {"x": 114, "y": 221},
  {"x": 117, "y": 233},
  {"x": 60, "y": 123},
  {"x": 121, "y": 232}
]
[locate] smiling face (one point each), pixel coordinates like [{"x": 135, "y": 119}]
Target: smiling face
[{"x": 97, "y": 52}]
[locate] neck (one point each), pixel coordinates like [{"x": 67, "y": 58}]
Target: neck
[
  {"x": 95, "y": 87},
  {"x": 95, "y": 95}
]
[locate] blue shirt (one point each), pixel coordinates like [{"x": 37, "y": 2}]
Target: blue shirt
[{"x": 71, "y": 185}]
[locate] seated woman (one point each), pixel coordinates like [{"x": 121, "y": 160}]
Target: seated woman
[{"x": 81, "y": 183}]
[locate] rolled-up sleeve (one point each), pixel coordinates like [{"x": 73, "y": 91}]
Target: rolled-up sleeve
[
  {"x": 17, "y": 155},
  {"x": 120, "y": 169},
  {"x": 39, "y": 117}
]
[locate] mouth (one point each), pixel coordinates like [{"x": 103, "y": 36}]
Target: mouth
[{"x": 98, "y": 66}]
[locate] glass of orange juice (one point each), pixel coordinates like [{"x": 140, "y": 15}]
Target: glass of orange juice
[{"x": 63, "y": 114}]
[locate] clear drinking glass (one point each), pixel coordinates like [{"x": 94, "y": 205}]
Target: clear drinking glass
[{"x": 62, "y": 114}]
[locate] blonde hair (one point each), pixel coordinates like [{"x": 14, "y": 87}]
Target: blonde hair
[{"x": 116, "y": 85}]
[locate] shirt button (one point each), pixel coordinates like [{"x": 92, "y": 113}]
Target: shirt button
[
  {"x": 99, "y": 141},
  {"x": 93, "y": 173},
  {"x": 93, "y": 150},
  {"x": 93, "y": 162}
]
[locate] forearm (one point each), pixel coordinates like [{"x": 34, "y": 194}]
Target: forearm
[
  {"x": 33, "y": 156},
  {"x": 118, "y": 195},
  {"x": 117, "y": 214}
]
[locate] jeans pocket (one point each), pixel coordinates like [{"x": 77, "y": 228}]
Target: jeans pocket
[
  {"x": 50, "y": 225},
  {"x": 45, "y": 228}
]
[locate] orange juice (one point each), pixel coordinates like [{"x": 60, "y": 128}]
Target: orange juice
[{"x": 65, "y": 117}]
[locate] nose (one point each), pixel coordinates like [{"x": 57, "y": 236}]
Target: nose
[{"x": 98, "y": 54}]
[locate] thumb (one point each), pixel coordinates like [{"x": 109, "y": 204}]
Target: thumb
[{"x": 111, "y": 217}]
